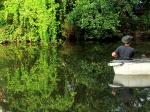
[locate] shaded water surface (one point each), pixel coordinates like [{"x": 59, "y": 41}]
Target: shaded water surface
[{"x": 72, "y": 77}]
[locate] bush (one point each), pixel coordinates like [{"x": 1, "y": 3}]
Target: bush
[{"x": 94, "y": 19}]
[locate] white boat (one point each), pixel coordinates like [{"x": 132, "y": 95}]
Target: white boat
[{"x": 131, "y": 73}]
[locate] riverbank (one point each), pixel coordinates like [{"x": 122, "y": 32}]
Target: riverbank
[{"x": 137, "y": 34}]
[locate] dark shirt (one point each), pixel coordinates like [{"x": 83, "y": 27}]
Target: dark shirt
[{"x": 125, "y": 52}]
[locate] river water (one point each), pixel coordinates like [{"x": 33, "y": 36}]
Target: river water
[{"x": 72, "y": 77}]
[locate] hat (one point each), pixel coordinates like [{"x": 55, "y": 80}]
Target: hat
[{"x": 126, "y": 39}]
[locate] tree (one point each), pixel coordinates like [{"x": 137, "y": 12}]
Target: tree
[{"x": 103, "y": 19}]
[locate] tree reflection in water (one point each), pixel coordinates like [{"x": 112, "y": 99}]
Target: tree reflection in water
[{"x": 69, "y": 78}]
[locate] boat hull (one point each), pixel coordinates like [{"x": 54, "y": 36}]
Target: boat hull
[
  {"x": 132, "y": 80},
  {"x": 132, "y": 73},
  {"x": 139, "y": 67}
]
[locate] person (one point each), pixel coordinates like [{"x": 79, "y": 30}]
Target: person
[{"x": 124, "y": 52}]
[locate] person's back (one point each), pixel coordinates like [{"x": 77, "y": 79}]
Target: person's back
[{"x": 124, "y": 52}]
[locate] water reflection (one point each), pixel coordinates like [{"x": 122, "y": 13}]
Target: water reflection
[
  {"x": 72, "y": 77},
  {"x": 125, "y": 95}
]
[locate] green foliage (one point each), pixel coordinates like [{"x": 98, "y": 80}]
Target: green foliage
[
  {"x": 52, "y": 20},
  {"x": 103, "y": 19},
  {"x": 95, "y": 18},
  {"x": 1, "y": 4},
  {"x": 146, "y": 19},
  {"x": 1, "y": 17},
  {"x": 32, "y": 20}
]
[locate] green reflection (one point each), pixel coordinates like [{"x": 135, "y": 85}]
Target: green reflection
[
  {"x": 69, "y": 78},
  {"x": 31, "y": 80}
]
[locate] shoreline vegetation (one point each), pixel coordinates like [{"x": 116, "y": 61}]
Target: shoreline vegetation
[{"x": 55, "y": 22}]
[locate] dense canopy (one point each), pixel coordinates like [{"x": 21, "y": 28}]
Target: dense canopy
[{"x": 56, "y": 20}]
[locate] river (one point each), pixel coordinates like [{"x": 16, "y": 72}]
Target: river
[{"x": 72, "y": 77}]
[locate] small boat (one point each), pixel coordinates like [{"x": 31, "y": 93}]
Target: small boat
[{"x": 131, "y": 73}]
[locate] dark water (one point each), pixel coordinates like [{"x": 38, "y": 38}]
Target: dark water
[{"x": 72, "y": 77}]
